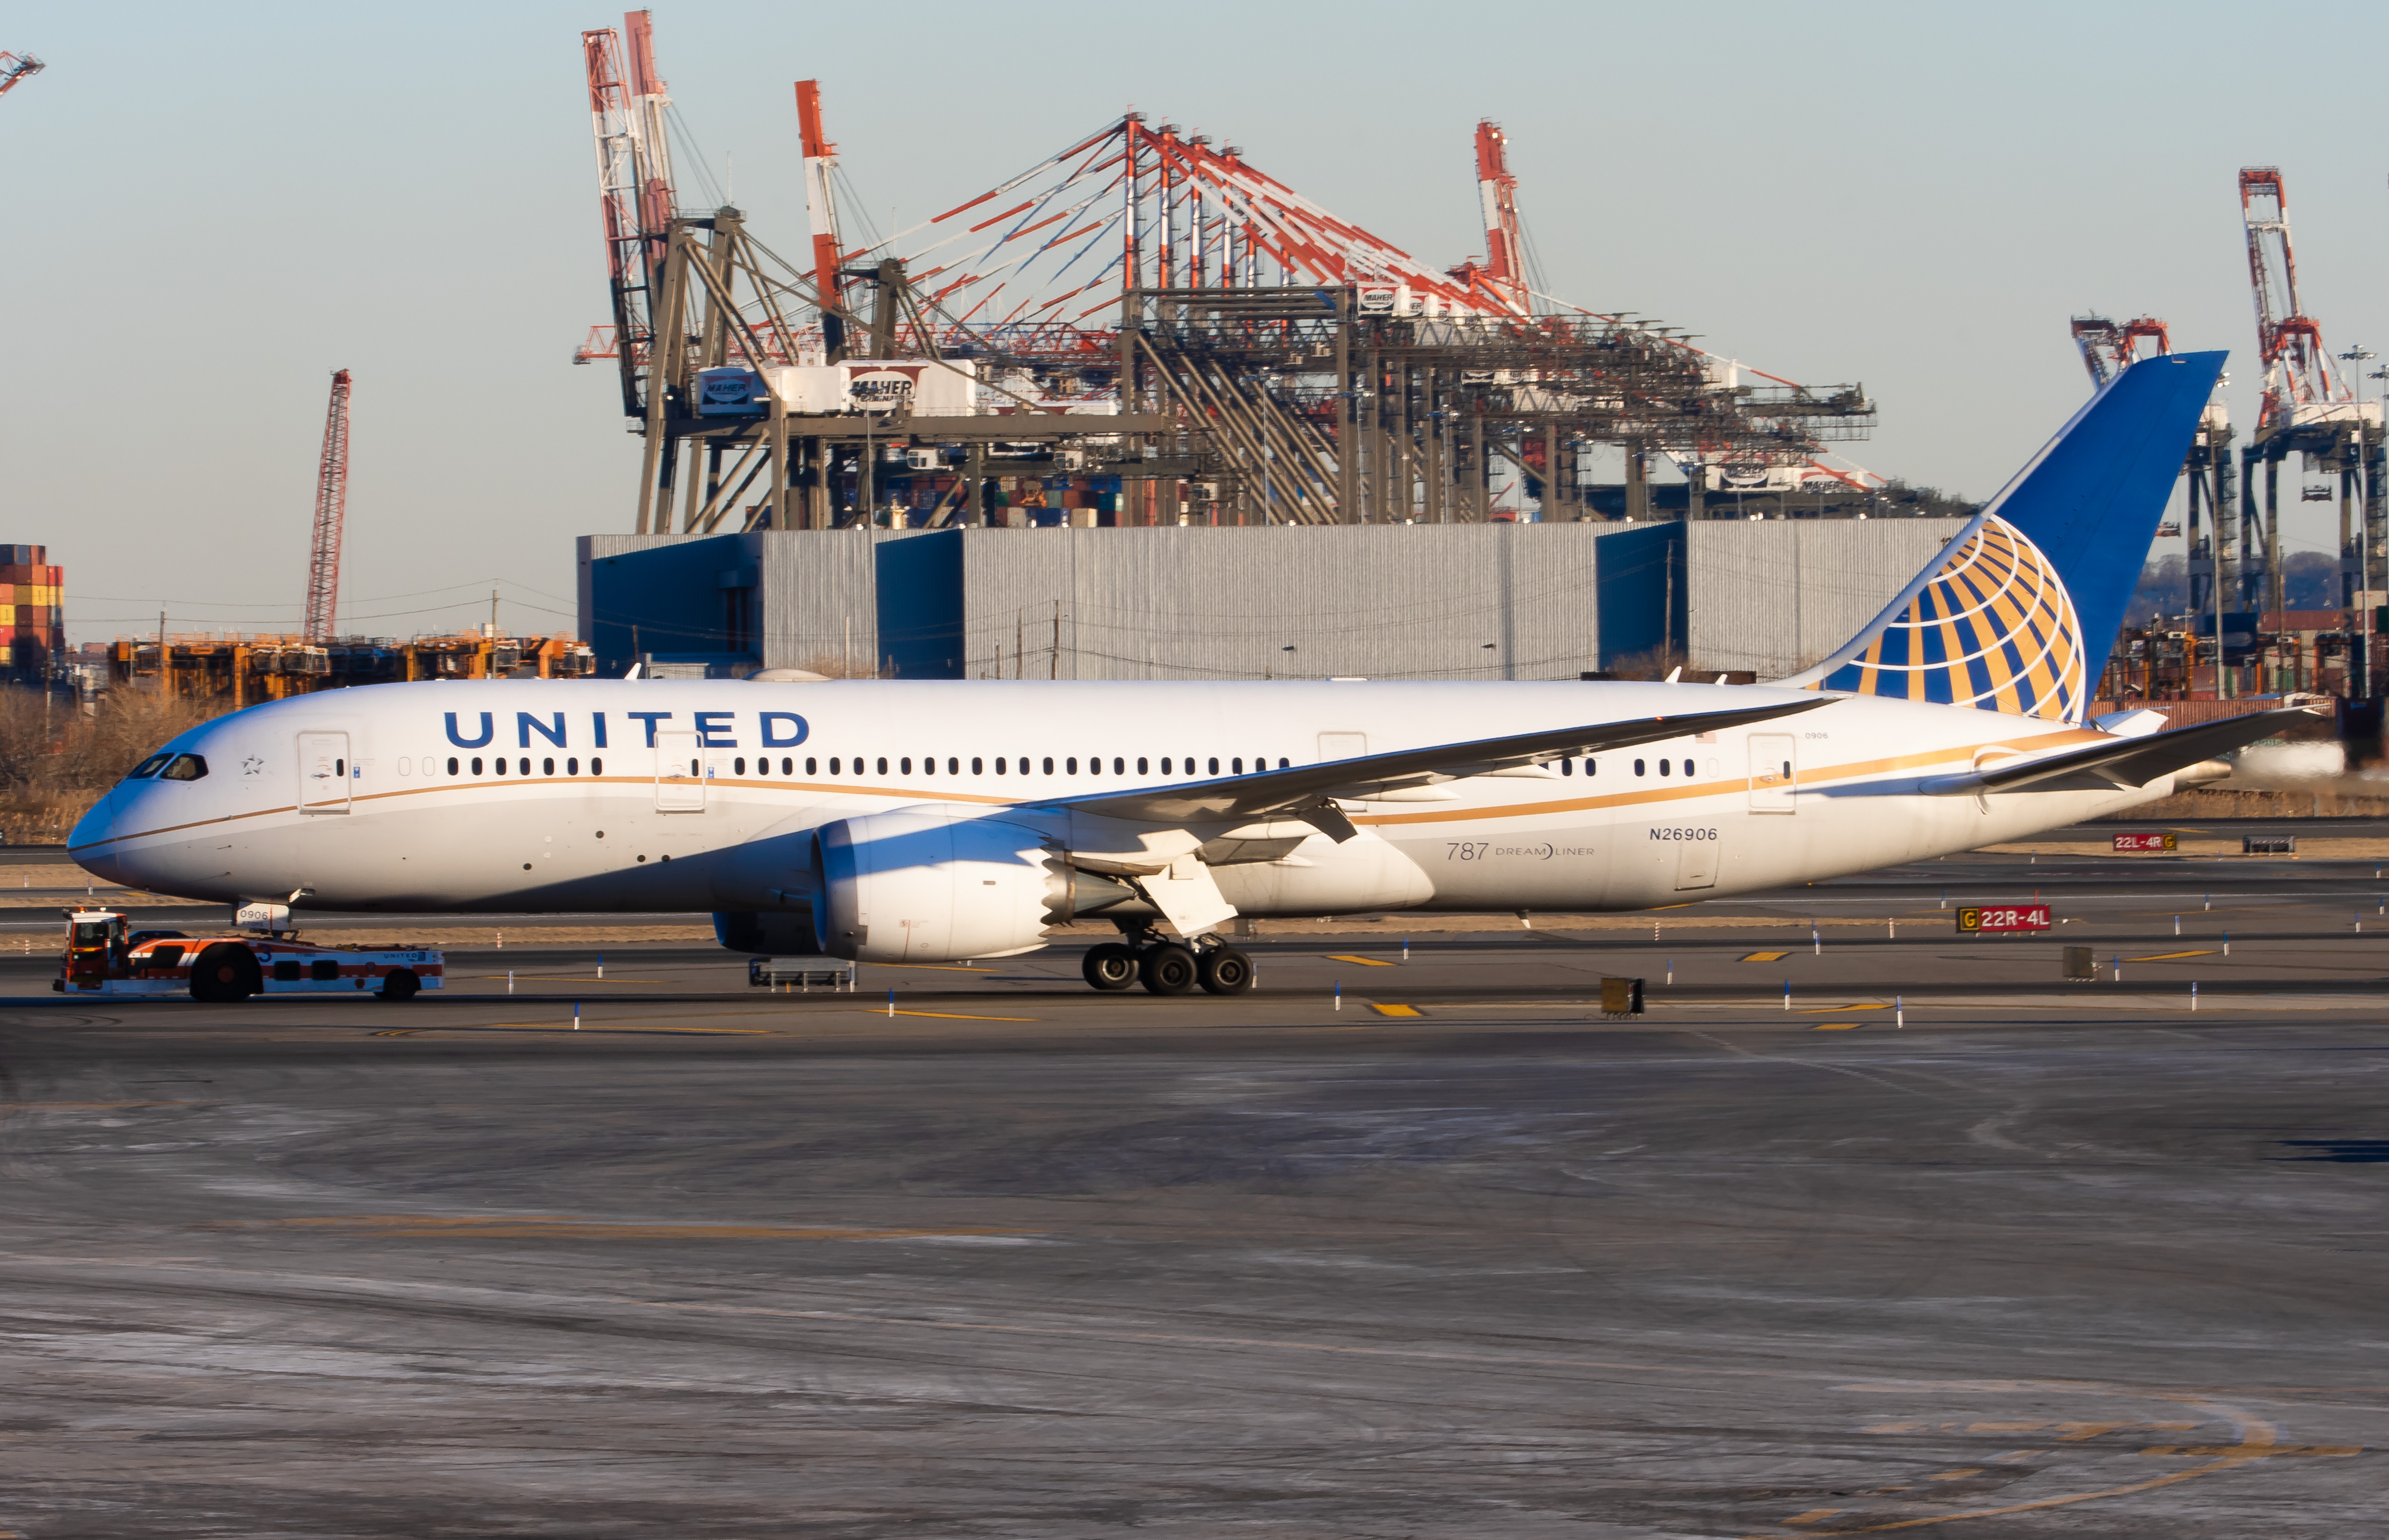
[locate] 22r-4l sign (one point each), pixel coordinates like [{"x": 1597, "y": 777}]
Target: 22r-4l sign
[{"x": 1976, "y": 919}]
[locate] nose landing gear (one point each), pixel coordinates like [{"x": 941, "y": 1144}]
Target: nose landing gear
[{"x": 1166, "y": 967}]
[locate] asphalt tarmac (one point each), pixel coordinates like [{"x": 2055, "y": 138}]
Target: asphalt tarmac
[{"x": 1940, "y": 1240}]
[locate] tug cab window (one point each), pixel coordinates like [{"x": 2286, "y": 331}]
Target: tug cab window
[{"x": 184, "y": 767}]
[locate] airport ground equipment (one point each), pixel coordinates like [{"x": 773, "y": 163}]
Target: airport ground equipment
[
  {"x": 801, "y": 972},
  {"x": 103, "y": 957}
]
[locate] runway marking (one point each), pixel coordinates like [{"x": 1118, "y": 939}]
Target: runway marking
[
  {"x": 935, "y": 967},
  {"x": 952, "y": 1015},
  {"x": 565, "y": 979},
  {"x": 1364, "y": 962},
  {"x": 1767, "y": 956},
  {"x": 87, "y": 1106},
  {"x": 567, "y": 1029},
  {"x": 1812, "y": 1516},
  {"x": 1834, "y": 1026},
  {"x": 1395, "y": 1010},
  {"x": 1955, "y": 1475},
  {"x": 561, "y": 1226},
  {"x": 1828, "y": 1010},
  {"x": 2168, "y": 956}
]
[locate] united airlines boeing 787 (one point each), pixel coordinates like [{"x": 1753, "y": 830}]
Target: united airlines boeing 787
[{"x": 897, "y": 821}]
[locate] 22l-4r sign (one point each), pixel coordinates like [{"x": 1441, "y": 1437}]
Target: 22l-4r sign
[
  {"x": 1977, "y": 918},
  {"x": 2147, "y": 841}
]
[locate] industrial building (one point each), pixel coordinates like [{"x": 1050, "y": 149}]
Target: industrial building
[{"x": 1463, "y": 601}]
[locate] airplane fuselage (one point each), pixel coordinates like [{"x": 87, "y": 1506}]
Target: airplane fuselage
[{"x": 593, "y": 796}]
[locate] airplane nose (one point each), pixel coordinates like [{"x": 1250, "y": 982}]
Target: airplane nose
[{"x": 89, "y": 846}]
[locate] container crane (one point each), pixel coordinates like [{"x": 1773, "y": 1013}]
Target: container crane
[
  {"x": 16, "y": 67},
  {"x": 1501, "y": 277},
  {"x": 2307, "y": 410},
  {"x": 331, "y": 512},
  {"x": 627, "y": 103},
  {"x": 821, "y": 208},
  {"x": 2109, "y": 347}
]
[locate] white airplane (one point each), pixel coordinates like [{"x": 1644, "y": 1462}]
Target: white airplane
[{"x": 929, "y": 821}]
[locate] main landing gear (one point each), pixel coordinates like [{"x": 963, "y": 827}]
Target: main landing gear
[{"x": 1168, "y": 966}]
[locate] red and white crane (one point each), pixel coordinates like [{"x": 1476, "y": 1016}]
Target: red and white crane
[
  {"x": 2109, "y": 347},
  {"x": 820, "y": 209},
  {"x": 14, "y": 68},
  {"x": 2299, "y": 380},
  {"x": 331, "y": 513},
  {"x": 627, "y": 104},
  {"x": 1500, "y": 278}
]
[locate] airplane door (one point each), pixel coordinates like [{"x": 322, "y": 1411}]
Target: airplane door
[
  {"x": 1774, "y": 772},
  {"x": 324, "y": 772},
  {"x": 680, "y": 773},
  {"x": 1696, "y": 864},
  {"x": 1336, "y": 746}
]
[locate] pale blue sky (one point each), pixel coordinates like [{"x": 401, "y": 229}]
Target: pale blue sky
[{"x": 211, "y": 208}]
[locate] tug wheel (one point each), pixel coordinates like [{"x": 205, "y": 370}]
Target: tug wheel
[
  {"x": 225, "y": 972},
  {"x": 398, "y": 983}
]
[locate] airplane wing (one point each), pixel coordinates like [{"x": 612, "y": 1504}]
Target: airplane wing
[
  {"x": 1306, "y": 790},
  {"x": 2135, "y": 761}
]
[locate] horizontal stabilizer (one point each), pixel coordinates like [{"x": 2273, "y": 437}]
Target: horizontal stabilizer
[
  {"x": 1242, "y": 798},
  {"x": 2130, "y": 761}
]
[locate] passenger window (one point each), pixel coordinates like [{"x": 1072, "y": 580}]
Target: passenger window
[
  {"x": 525, "y": 765},
  {"x": 1049, "y": 766},
  {"x": 999, "y": 765},
  {"x": 477, "y": 765},
  {"x": 883, "y": 766},
  {"x": 1688, "y": 767},
  {"x": 184, "y": 767},
  {"x": 341, "y": 768},
  {"x": 1215, "y": 768},
  {"x": 812, "y": 767},
  {"x": 1236, "y": 766},
  {"x": 1637, "y": 766},
  {"x": 547, "y": 768},
  {"x": 737, "y": 766},
  {"x": 694, "y": 773},
  {"x": 451, "y": 767},
  {"x": 906, "y": 763},
  {"x": 572, "y": 767},
  {"x": 148, "y": 767},
  {"x": 1591, "y": 765},
  {"x": 1072, "y": 765},
  {"x": 1663, "y": 766},
  {"x": 500, "y": 763},
  {"x": 1568, "y": 767},
  {"x": 1119, "y": 766},
  {"x": 1140, "y": 768},
  {"x": 596, "y": 766},
  {"x": 977, "y": 767},
  {"x": 1165, "y": 764},
  {"x": 833, "y": 766}
]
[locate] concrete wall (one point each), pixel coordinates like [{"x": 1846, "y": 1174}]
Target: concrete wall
[{"x": 1778, "y": 595}]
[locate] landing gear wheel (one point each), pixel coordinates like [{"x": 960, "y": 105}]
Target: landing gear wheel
[
  {"x": 1225, "y": 971},
  {"x": 1109, "y": 965},
  {"x": 1168, "y": 970},
  {"x": 226, "y": 972},
  {"x": 399, "y": 984}
]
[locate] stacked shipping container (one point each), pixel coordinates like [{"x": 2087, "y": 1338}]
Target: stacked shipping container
[{"x": 33, "y": 610}]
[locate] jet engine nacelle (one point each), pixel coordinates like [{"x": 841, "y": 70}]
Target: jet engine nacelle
[{"x": 930, "y": 885}]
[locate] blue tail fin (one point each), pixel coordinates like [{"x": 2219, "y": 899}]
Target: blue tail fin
[{"x": 2018, "y": 613}]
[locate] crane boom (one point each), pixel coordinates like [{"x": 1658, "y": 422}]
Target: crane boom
[
  {"x": 821, "y": 208},
  {"x": 2297, "y": 366},
  {"x": 16, "y": 67},
  {"x": 331, "y": 512}
]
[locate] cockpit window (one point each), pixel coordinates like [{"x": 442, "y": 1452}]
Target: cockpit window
[
  {"x": 148, "y": 767},
  {"x": 184, "y": 767}
]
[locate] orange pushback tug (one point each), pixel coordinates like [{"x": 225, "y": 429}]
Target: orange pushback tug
[{"x": 102, "y": 957}]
